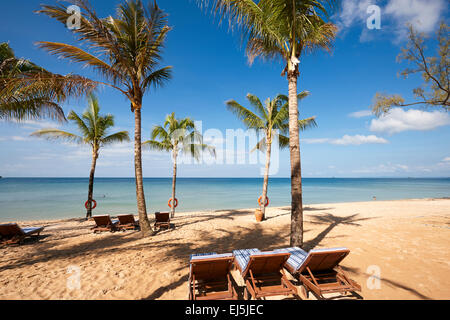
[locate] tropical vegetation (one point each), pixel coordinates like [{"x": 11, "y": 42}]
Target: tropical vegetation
[
  {"x": 94, "y": 131},
  {"x": 28, "y": 91},
  {"x": 178, "y": 136},
  {"x": 283, "y": 30},
  {"x": 126, "y": 52},
  {"x": 435, "y": 91},
  {"x": 272, "y": 119}
]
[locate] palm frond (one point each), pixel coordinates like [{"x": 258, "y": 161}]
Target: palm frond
[
  {"x": 307, "y": 123},
  {"x": 55, "y": 134},
  {"x": 250, "y": 119},
  {"x": 157, "y": 145},
  {"x": 121, "y": 136}
]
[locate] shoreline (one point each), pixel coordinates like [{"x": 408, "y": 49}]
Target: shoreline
[
  {"x": 150, "y": 214},
  {"x": 407, "y": 240}
]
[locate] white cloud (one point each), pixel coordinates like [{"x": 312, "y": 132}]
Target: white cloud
[
  {"x": 33, "y": 124},
  {"x": 315, "y": 141},
  {"x": 348, "y": 140},
  {"x": 424, "y": 15},
  {"x": 446, "y": 159},
  {"x": 398, "y": 120},
  {"x": 15, "y": 138},
  {"x": 353, "y": 11},
  {"x": 360, "y": 114},
  {"x": 359, "y": 139},
  {"x": 383, "y": 168}
]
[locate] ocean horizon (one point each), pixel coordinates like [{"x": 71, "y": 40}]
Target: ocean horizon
[{"x": 60, "y": 198}]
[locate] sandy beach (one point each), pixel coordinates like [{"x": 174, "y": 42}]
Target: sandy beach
[{"x": 406, "y": 240}]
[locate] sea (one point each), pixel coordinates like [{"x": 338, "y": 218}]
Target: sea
[{"x": 60, "y": 198}]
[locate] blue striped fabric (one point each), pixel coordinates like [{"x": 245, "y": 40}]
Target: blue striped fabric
[
  {"x": 201, "y": 255},
  {"x": 210, "y": 255},
  {"x": 28, "y": 230},
  {"x": 243, "y": 256},
  {"x": 328, "y": 249},
  {"x": 298, "y": 255}
]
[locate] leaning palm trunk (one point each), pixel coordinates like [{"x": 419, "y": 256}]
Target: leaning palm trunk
[
  {"x": 174, "y": 183},
  {"x": 296, "y": 238},
  {"x": 266, "y": 179},
  {"x": 91, "y": 184},
  {"x": 146, "y": 228}
]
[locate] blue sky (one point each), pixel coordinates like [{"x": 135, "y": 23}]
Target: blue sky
[{"x": 210, "y": 67}]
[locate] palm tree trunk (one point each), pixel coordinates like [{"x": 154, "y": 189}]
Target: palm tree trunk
[
  {"x": 146, "y": 228},
  {"x": 174, "y": 182},
  {"x": 266, "y": 179},
  {"x": 296, "y": 238},
  {"x": 91, "y": 184}
]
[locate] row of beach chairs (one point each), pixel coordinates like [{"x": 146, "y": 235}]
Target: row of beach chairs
[
  {"x": 264, "y": 275},
  {"x": 11, "y": 233},
  {"x": 127, "y": 222}
]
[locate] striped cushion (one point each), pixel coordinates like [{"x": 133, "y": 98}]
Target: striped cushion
[
  {"x": 29, "y": 230},
  {"x": 196, "y": 255},
  {"x": 329, "y": 249},
  {"x": 298, "y": 255},
  {"x": 243, "y": 256},
  {"x": 210, "y": 255}
]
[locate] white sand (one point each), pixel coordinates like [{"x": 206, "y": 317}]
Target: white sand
[{"x": 407, "y": 241}]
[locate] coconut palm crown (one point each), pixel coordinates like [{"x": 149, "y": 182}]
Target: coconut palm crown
[
  {"x": 28, "y": 91},
  {"x": 273, "y": 115},
  {"x": 178, "y": 136},
  {"x": 94, "y": 131},
  {"x": 283, "y": 30},
  {"x": 126, "y": 51}
]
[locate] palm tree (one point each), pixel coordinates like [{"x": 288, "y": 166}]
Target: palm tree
[
  {"x": 178, "y": 136},
  {"x": 94, "y": 131},
  {"x": 126, "y": 52},
  {"x": 273, "y": 115},
  {"x": 28, "y": 91},
  {"x": 283, "y": 29}
]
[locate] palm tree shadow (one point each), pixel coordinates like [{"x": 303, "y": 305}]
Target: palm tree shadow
[{"x": 332, "y": 221}]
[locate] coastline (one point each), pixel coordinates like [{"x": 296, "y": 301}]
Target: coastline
[
  {"x": 33, "y": 222},
  {"x": 52, "y": 199},
  {"x": 406, "y": 239}
]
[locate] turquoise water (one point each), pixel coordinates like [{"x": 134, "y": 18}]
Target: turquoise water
[{"x": 54, "y": 198}]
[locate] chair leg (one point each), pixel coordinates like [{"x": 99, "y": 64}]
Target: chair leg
[{"x": 303, "y": 292}]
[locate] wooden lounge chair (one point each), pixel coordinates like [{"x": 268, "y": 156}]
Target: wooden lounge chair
[
  {"x": 319, "y": 271},
  {"x": 11, "y": 233},
  {"x": 210, "y": 278},
  {"x": 162, "y": 219},
  {"x": 104, "y": 223},
  {"x": 263, "y": 273},
  {"x": 127, "y": 222}
]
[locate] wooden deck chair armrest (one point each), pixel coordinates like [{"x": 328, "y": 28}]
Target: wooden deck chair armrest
[
  {"x": 286, "y": 281},
  {"x": 253, "y": 279},
  {"x": 250, "y": 287},
  {"x": 312, "y": 276},
  {"x": 311, "y": 286},
  {"x": 341, "y": 274}
]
